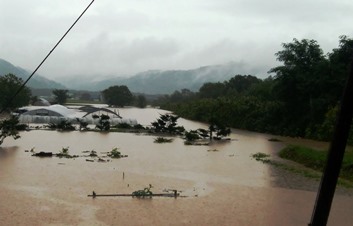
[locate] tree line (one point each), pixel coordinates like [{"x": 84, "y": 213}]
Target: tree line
[
  {"x": 300, "y": 97},
  {"x": 117, "y": 95}
]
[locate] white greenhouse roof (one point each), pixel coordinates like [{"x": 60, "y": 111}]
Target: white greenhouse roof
[{"x": 56, "y": 108}]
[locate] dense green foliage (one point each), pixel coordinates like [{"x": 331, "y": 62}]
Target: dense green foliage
[
  {"x": 103, "y": 123},
  {"x": 119, "y": 96},
  {"x": 140, "y": 101},
  {"x": 160, "y": 140},
  {"x": 9, "y": 84},
  {"x": 167, "y": 123},
  {"x": 299, "y": 98},
  {"x": 60, "y": 95},
  {"x": 9, "y": 128},
  {"x": 63, "y": 125}
]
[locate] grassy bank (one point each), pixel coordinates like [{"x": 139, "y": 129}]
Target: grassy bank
[{"x": 316, "y": 159}]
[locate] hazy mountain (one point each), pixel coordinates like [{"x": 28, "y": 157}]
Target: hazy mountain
[
  {"x": 149, "y": 82},
  {"x": 160, "y": 82},
  {"x": 37, "y": 81}
]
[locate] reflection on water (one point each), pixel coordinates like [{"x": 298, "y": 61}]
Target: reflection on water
[{"x": 50, "y": 184}]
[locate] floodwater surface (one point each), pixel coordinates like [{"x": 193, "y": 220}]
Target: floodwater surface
[{"x": 220, "y": 183}]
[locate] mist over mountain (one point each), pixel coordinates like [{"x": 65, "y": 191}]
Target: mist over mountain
[
  {"x": 159, "y": 82},
  {"x": 36, "y": 82},
  {"x": 148, "y": 82}
]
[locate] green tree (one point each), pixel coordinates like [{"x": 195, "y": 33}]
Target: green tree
[
  {"x": 9, "y": 84},
  {"x": 240, "y": 83},
  {"x": 212, "y": 90},
  {"x": 297, "y": 82},
  {"x": 8, "y": 128},
  {"x": 167, "y": 123},
  {"x": 60, "y": 95},
  {"x": 141, "y": 101},
  {"x": 117, "y": 96},
  {"x": 340, "y": 60},
  {"x": 264, "y": 89},
  {"x": 298, "y": 100},
  {"x": 217, "y": 127},
  {"x": 103, "y": 123},
  {"x": 181, "y": 96}
]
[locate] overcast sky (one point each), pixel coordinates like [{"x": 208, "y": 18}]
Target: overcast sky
[{"x": 118, "y": 37}]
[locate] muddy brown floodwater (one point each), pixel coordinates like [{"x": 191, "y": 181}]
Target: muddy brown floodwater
[{"x": 223, "y": 187}]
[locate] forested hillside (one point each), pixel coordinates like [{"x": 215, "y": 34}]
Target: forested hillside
[
  {"x": 300, "y": 98},
  {"x": 160, "y": 82},
  {"x": 37, "y": 82}
]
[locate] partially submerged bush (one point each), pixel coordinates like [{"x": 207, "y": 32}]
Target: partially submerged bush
[
  {"x": 167, "y": 123},
  {"x": 123, "y": 126},
  {"x": 64, "y": 153},
  {"x": 103, "y": 123},
  {"x": 192, "y": 135},
  {"x": 162, "y": 140},
  {"x": 139, "y": 126},
  {"x": 114, "y": 153},
  {"x": 63, "y": 125},
  {"x": 262, "y": 157},
  {"x": 83, "y": 124},
  {"x": 8, "y": 128}
]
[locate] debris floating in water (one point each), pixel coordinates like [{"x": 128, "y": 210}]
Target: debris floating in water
[
  {"x": 175, "y": 194},
  {"x": 43, "y": 154}
]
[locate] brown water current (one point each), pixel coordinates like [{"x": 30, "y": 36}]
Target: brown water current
[{"x": 223, "y": 184}]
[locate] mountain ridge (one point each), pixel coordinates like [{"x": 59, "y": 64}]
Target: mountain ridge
[
  {"x": 159, "y": 81},
  {"x": 147, "y": 82},
  {"x": 36, "y": 82}
]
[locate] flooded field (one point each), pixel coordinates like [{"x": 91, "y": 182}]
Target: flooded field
[{"x": 223, "y": 187}]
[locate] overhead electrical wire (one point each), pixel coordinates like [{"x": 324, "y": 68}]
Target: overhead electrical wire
[{"x": 24, "y": 84}]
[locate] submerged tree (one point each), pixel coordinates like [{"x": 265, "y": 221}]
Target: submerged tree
[
  {"x": 218, "y": 128},
  {"x": 103, "y": 123},
  {"x": 63, "y": 125},
  {"x": 167, "y": 123},
  {"x": 60, "y": 95},
  {"x": 83, "y": 124},
  {"x": 141, "y": 101},
  {"x": 9, "y": 128},
  {"x": 117, "y": 96}
]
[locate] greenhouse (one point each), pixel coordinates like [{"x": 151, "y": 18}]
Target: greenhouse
[{"x": 57, "y": 113}]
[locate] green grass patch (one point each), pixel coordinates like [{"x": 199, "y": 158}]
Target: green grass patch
[
  {"x": 316, "y": 159},
  {"x": 308, "y": 157}
]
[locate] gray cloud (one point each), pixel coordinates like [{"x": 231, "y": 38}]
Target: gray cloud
[{"x": 126, "y": 37}]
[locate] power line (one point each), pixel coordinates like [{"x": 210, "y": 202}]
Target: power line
[{"x": 24, "y": 84}]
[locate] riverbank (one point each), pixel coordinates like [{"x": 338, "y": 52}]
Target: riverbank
[{"x": 292, "y": 174}]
